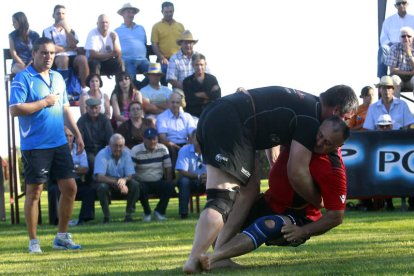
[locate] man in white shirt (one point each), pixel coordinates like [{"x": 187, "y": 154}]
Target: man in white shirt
[{"x": 104, "y": 49}]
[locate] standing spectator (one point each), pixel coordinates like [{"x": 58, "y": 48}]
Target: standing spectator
[
  {"x": 154, "y": 173},
  {"x": 124, "y": 93},
  {"x": 390, "y": 33},
  {"x": 38, "y": 98},
  {"x": 164, "y": 36},
  {"x": 156, "y": 93},
  {"x": 21, "y": 42},
  {"x": 367, "y": 95},
  {"x": 4, "y": 175},
  {"x": 388, "y": 104},
  {"x": 103, "y": 49},
  {"x": 179, "y": 66},
  {"x": 174, "y": 125},
  {"x": 85, "y": 191},
  {"x": 200, "y": 88},
  {"x": 133, "y": 41},
  {"x": 96, "y": 131},
  {"x": 113, "y": 172},
  {"x": 401, "y": 61},
  {"x": 192, "y": 172},
  {"x": 94, "y": 82},
  {"x": 133, "y": 129},
  {"x": 66, "y": 41}
]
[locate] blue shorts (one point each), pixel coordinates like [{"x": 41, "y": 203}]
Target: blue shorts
[{"x": 42, "y": 164}]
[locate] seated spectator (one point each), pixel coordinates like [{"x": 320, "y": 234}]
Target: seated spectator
[
  {"x": 67, "y": 58},
  {"x": 103, "y": 49},
  {"x": 133, "y": 129},
  {"x": 384, "y": 122},
  {"x": 133, "y": 41},
  {"x": 21, "y": 42},
  {"x": 390, "y": 33},
  {"x": 124, "y": 93},
  {"x": 113, "y": 172},
  {"x": 367, "y": 95},
  {"x": 85, "y": 191},
  {"x": 154, "y": 173},
  {"x": 396, "y": 108},
  {"x": 96, "y": 131},
  {"x": 192, "y": 173},
  {"x": 200, "y": 88},
  {"x": 164, "y": 36},
  {"x": 174, "y": 125},
  {"x": 94, "y": 83},
  {"x": 401, "y": 60},
  {"x": 179, "y": 65},
  {"x": 156, "y": 93},
  {"x": 397, "y": 85}
]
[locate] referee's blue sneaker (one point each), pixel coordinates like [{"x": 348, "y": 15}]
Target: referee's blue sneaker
[{"x": 65, "y": 242}]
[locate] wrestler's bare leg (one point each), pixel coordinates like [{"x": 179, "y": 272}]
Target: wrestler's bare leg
[{"x": 210, "y": 222}]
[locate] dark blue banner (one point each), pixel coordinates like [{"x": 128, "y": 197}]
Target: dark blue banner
[{"x": 380, "y": 163}]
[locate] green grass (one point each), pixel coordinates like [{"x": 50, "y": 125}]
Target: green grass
[{"x": 367, "y": 243}]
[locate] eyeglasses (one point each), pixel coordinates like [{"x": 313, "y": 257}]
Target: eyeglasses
[
  {"x": 136, "y": 108},
  {"x": 401, "y": 3},
  {"x": 384, "y": 126},
  {"x": 404, "y": 36}
]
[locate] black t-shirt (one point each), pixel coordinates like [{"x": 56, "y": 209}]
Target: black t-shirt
[{"x": 282, "y": 115}]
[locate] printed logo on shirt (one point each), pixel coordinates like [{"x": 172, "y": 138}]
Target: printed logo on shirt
[
  {"x": 221, "y": 159},
  {"x": 342, "y": 198},
  {"x": 245, "y": 172}
]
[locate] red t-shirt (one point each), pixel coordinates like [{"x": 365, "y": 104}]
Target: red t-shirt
[{"x": 328, "y": 173}]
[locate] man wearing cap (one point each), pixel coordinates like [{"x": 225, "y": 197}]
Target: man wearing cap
[
  {"x": 401, "y": 60},
  {"x": 388, "y": 104},
  {"x": 390, "y": 33},
  {"x": 367, "y": 95},
  {"x": 103, "y": 49},
  {"x": 155, "y": 92},
  {"x": 179, "y": 66},
  {"x": 165, "y": 34},
  {"x": 113, "y": 172},
  {"x": 154, "y": 173},
  {"x": 96, "y": 131},
  {"x": 133, "y": 41}
]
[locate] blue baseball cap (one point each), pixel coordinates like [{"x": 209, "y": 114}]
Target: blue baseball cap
[{"x": 150, "y": 133}]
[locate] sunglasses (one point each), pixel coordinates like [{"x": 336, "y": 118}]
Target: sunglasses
[
  {"x": 384, "y": 126},
  {"x": 404, "y": 36},
  {"x": 401, "y": 3}
]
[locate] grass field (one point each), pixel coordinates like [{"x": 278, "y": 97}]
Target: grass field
[{"x": 367, "y": 243}]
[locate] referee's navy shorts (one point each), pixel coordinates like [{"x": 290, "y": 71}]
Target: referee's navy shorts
[
  {"x": 42, "y": 164},
  {"x": 226, "y": 142}
]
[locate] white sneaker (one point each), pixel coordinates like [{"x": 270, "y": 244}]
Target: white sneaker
[
  {"x": 159, "y": 217},
  {"x": 34, "y": 247},
  {"x": 146, "y": 218},
  {"x": 65, "y": 243}
]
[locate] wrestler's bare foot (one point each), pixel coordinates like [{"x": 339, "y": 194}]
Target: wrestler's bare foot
[
  {"x": 192, "y": 265},
  {"x": 207, "y": 263}
]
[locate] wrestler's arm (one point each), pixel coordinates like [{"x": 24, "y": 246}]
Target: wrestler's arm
[
  {"x": 331, "y": 219},
  {"x": 299, "y": 174}
]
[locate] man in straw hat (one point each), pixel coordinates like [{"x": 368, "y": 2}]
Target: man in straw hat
[
  {"x": 156, "y": 93},
  {"x": 164, "y": 36},
  {"x": 259, "y": 119},
  {"x": 180, "y": 66},
  {"x": 396, "y": 108},
  {"x": 133, "y": 41}
]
